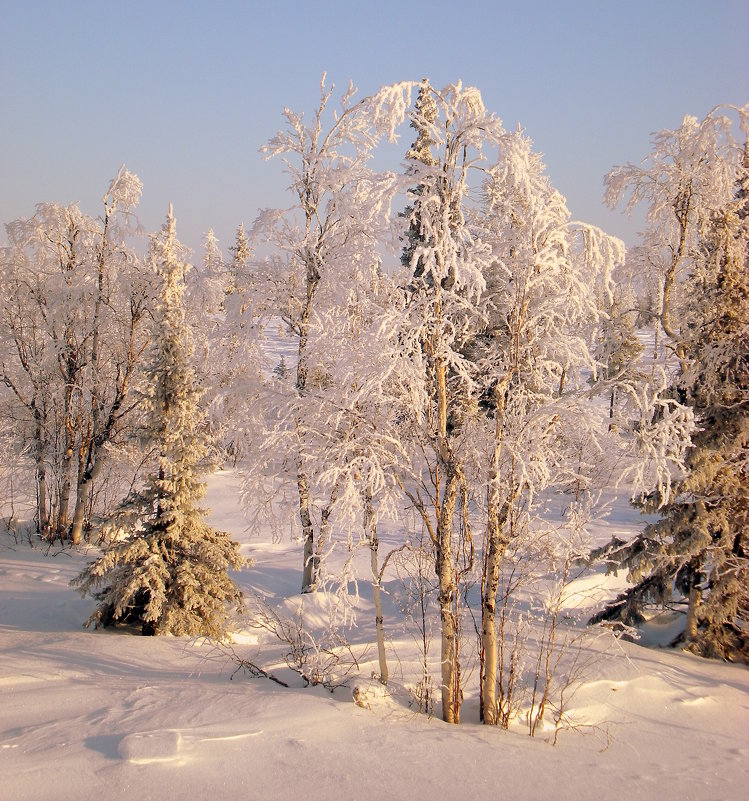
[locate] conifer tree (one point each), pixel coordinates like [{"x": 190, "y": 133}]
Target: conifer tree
[
  {"x": 237, "y": 267},
  {"x": 419, "y": 154},
  {"x": 700, "y": 546},
  {"x": 171, "y": 574}
]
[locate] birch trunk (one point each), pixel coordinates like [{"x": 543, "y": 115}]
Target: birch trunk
[
  {"x": 370, "y": 532},
  {"x": 444, "y": 557},
  {"x": 88, "y": 455},
  {"x": 83, "y": 487},
  {"x": 447, "y": 591},
  {"x": 491, "y": 645},
  {"x": 309, "y": 571},
  {"x": 65, "y": 471},
  {"x": 322, "y": 534},
  {"x": 311, "y": 559},
  {"x": 41, "y": 478},
  {"x": 93, "y": 460},
  {"x": 496, "y": 546}
]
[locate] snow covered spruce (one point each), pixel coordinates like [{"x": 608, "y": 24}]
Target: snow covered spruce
[
  {"x": 696, "y": 246},
  {"x": 171, "y": 573}
]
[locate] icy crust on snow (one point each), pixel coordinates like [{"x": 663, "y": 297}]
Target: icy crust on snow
[{"x": 86, "y": 715}]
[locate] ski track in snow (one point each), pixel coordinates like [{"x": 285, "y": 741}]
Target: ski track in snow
[{"x": 91, "y": 715}]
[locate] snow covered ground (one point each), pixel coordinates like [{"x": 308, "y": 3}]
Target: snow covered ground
[{"x": 107, "y": 715}]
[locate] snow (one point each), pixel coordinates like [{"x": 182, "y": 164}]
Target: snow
[{"x": 105, "y": 714}]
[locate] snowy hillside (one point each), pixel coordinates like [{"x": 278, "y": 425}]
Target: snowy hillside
[{"x": 104, "y": 714}]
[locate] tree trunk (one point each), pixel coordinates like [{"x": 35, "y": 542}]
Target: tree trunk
[
  {"x": 322, "y": 535},
  {"x": 496, "y": 546},
  {"x": 309, "y": 569},
  {"x": 447, "y": 593},
  {"x": 370, "y": 532},
  {"x": 695, "y": 597},
  {"x": 92, "y": 460},
  {"x": 311, "y": 560},
  {"x": 309, "y": 572},
  {"x": 488, "y": 611},
  {"x": 41, "y": 478},
  {"x": 65, "y": 471},
  {"x": 88, "y": 464},
  {"x": 79, "y": 513},
  {"x": 86, "y": 478},
  {"x": 490, "y": 646},
  {"x": 76, "y": 527},
  {"x": 450, "y": 670}
]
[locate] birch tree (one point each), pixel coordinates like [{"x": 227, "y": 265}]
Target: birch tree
[
  {"x": 687, "y": 178},
  {"x": 122, "y": 300},
  {"x": 534, "y": 356},
  {"x": 74, "y": 301},
  {"x": 318, "y": 245},
  {"x": 447, "y": 264}
]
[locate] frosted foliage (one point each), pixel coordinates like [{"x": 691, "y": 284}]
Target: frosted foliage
[
  {"x": 124, "y": 190},
  {"x": 423, "y": 121},
  {"x": 692, "y": 165},
  {"x": 466, "y": 101},
  {"x": 689, "y": 177},
  {"x": 697, "y": 549},
  {"x": 324, "y": 249},
  {"x": 663, "y": 437},
  {"x": 545, "y": 269},
  {"x": 170, "y": 575},
  {"x": 75, "y": 300},
  {"x": 459, "y": 384},
  {"x": 447, "y": 250},
  {"x": 540, "y": 306},
  {"x": 212, "y": 258},
  {"x": 389, "y": 107}
]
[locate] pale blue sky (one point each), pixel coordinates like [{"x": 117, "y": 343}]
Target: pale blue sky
[{"x": 185, "y": 93}]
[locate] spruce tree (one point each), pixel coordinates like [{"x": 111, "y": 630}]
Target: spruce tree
[
  {"x": 700, "y": 545},
  {"x": 170, "y": 575},
  {"x": 240, "y": 255},
  {"x": 419, "y": 154}
]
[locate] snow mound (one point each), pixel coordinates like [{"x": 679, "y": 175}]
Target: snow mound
[{"x": 146, "y": 748}]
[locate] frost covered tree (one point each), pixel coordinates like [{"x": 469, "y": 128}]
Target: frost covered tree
[
  {"x": 618, "y": 350},
  {"x": 370, "y": 398},
  {"x": 689, "y": 176},
  {"x": 698, "y": 549},
  {"x": 170, "y": 575},
  {"x": 241, "y": 250},
  {"x": 533, "y": 355},
  {"x": 122, "y": 301},
  {"x": 447, "y": 264},
  {"x": 421, "y": 152},
  {"x": 319, "y": 248},
  {"x": 208, "y": 286},
  {"x": 74, "y": 303},
  {"x": 501, "y": 299}
]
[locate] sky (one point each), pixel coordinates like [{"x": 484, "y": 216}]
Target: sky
[{"x": 186, "y": 93}]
